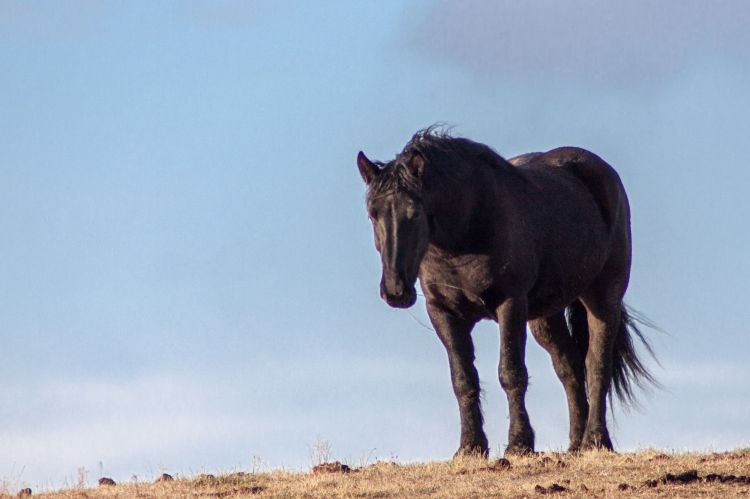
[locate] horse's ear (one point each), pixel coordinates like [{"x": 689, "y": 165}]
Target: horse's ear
[
  {"x": 417, "y": 164},
  {"x": 367, "y": 168}
]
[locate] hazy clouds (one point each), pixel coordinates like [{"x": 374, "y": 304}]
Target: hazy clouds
[
  {"x": 35, "y": 18},
  {"x": 609, "y": 43}
]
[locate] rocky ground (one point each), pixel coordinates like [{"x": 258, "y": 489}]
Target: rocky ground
[{"x": 591, "y": 474}]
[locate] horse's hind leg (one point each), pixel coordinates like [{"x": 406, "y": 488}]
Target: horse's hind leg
[
  {"x": 603, "y": 317},
  {"x": 455, "y": 333},
  {"x": 553, "y": 335}
]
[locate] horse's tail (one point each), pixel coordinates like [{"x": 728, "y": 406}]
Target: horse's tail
[
  {"x": 628, "y": 370},
  {"x": 579, "y": 327}
]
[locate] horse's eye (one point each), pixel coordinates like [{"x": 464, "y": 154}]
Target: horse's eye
[
  {"x": 373, "y": 214},
  {"x": 413, "y": 213}
]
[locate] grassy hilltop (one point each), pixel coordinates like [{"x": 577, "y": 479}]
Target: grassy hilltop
[{"x": 592, "y": 474}]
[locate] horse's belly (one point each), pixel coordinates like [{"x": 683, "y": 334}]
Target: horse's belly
[
  {"x": 555, "y": 289},
  {"x": 544, "y": 306}
]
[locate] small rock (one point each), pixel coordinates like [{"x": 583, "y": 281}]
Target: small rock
[
  {"x": 727, "y": 478},
  {"x": 24, "y": 492},
  {"x": 251, "y": 490},
  {"x": 205, "y": 479},
  {"x": 165, "y": 477},
  {"x": 623, "y": 486},
  {"x": 335, "y": 467},
  {"x": 106, "y": 481},
  {"x": 651, "y": 483},
  {"x": 683, "y": 478},
  {"x": 500, "y": 464},
  {"x": 548, "y": 461},
  {"x": 552, "y": 489},
  {"x": 584, "y": 488},
  {"x": 555, "y": 487},
  {"x": 688, "y": 476}
]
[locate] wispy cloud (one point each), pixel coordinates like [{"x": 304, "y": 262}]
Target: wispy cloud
[
  {"x": 35, "y": 18},
  {"x": 135, "y": 424},
  {"x": 226, "y": 13},
  {"x": 52, "y": 428},
  {"x": 636, "y": 43},
  {"x": 706, "y": 374}
]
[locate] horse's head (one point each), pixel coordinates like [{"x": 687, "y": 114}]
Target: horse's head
[{"x": 399, "y": 221}]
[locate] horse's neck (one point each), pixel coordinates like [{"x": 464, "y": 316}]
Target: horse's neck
[{"x": 466, "y": 216}]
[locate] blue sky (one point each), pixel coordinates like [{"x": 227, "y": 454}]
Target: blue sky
[{"x": 188, "y": 278}]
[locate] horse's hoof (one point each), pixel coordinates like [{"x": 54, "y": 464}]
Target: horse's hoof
[
  {"x": 519, "y": 450},
  {"x": 472, "y": 451},
  {"x": 575, "y": 447},
  {"x": 520, "y": 443},
  {"x": 597, "y": 440}
]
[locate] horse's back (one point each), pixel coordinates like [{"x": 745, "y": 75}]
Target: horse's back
[
  {"x": 599, "y": 178},
  {"x": 523, "y": 159}
]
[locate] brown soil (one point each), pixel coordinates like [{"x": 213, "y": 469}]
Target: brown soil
[{"x": 591, "y": 474}]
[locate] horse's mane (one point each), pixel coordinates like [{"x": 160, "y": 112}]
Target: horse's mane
[{"x": 448, "y": 159}]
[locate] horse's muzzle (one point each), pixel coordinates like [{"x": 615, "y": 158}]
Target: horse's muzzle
[{"x": 397, "y": 294}]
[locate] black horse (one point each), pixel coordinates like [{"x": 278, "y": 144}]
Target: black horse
[{"x": 515, "y": 241}]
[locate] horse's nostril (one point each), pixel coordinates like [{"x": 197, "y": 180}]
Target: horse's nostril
[{"x": 392, "y": 286}]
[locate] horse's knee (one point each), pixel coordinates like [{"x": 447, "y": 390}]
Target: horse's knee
[
  {"x": 513, "y": 379},
  {"x": 469, "y": 396},
  {"x": 466, "y": 387}
]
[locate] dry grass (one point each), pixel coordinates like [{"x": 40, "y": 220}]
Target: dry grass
[{"x": 592, "y": 474}]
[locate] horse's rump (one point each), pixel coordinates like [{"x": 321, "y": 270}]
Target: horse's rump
[{"x": 601, "y": 180}]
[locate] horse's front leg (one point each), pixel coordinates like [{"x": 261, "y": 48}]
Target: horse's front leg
[
  {"x": 455, "y": 333},
  {"x": 514, "y": 379}
]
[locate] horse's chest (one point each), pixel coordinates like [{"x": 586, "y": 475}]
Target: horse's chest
[{"x": 461, "y": 285}]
